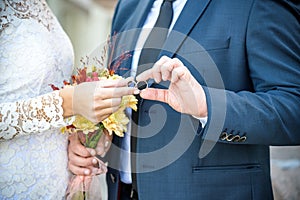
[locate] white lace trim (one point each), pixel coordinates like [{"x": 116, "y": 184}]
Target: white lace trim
[
  {"x": 31, "y": 116},
  {"x": 24, "y": 9}
]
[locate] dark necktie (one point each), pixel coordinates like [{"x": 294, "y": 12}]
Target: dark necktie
[{"x": 156, "y": 37}]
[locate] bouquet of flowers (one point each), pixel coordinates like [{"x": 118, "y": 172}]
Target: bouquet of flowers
[{"x": 81, "y": 187}]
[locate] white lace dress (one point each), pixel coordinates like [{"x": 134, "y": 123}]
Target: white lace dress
[{"x": 34, "y": 52}]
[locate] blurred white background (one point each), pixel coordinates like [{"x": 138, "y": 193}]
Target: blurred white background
[{"x": 87, "y": 22}]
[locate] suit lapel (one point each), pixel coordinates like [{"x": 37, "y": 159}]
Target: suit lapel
[
  {"x": 128, "y": 36},
  {"x": 189, "y": 16},
  {"x": 139, "y": 17}
]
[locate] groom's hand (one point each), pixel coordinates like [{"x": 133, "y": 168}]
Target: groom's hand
[
  {"x": 184, "y": 94},
  {"x": 82, "y": 161}
]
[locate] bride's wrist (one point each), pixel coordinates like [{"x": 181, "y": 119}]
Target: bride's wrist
[{"x": 67, "y": 95}]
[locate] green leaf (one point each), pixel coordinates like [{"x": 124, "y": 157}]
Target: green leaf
[{"x": 93, "y": 141}]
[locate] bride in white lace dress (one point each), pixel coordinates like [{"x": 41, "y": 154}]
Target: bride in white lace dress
[{"x": 34, "y": 52}]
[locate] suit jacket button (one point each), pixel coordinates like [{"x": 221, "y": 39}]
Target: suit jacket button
[
  {"x": 243, "y": 139},
  {"x": 223, "y": 136},
  {"x": 230, "y": 138},
  {"x": 236, "y": 138}
]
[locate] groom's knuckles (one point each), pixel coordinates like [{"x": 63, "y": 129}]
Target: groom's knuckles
[
  {"x": 145, "y": 75},
  {"x": 178, "y": 73},
  {"x": 177, "y": 62}
]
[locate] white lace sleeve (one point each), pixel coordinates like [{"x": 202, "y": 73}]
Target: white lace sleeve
[{"x": 31, "y": 116}]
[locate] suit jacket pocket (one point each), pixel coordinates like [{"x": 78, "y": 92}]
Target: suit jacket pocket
[
  {"x": 228, "y": 168},
  {"x": 232, "y": 182},
  {"x": 210, "y": 44}
]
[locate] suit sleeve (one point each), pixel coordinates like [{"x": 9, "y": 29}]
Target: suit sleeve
[{"x": 270, "y": 115}]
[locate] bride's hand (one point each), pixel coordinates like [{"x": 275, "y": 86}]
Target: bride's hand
[
  {"x": 103, "y": 144},
  {"x": 95, "y": 100},
  {"x": 83, "y": 161}
]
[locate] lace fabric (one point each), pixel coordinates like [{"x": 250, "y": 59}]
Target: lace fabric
[
  {"x": 31, "y": 116},
  {"x": 24, "y": 9},
  {"x": 34, "y": 52}
]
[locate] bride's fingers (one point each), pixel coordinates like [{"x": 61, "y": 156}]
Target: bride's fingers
[
  {"x": 107, "y": 83},
  {"x": 82, "y": 166},
  {"x": 116, "y": 92},
  {"x": 79, "y": 170},
  {"x": 107, "y": 103},
  {"x": 100, "y": 168},
  {"x": 76, "y": 147},
  {"x": 104, "y": 113},
  {"x": 78, "y": 160},
  {"x": 104, "y": 144}
]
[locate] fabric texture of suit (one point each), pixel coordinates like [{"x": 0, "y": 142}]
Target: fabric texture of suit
[{"x": 255, "y": 46}]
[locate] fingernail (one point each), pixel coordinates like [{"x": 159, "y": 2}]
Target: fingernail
[
  {"x": 94, "y": 161},
  {"x": 106, "y": 144},
  {"x": 103, "y": 154},
  {"x": 93, "y": 152},
  {"x": 86, "y": 172}
]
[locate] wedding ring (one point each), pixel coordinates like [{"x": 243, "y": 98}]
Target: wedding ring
[
  {"x": 131, "y": 84},
  {"x": 141, "y": 85}
]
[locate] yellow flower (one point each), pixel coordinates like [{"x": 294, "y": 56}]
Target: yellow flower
[
  {"x": 114, "y": 77},
  {"x": 84, "y": 125},
  {"x": 129, "y": 101},
  {"x": 117, "y": 123},
  {"x": 63, "y": 129}
]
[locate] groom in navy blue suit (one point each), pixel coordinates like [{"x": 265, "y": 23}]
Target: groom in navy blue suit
[{"x": 245, "y": 54}]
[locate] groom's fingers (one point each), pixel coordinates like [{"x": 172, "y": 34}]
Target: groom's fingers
[
  {"x": 144, "y": 76},
  {"x": 155, "y": 72},
  {"x": 155, "y": 94},
  {"x": 179, "y": 73},
  {"x": 162, "y": 70}
]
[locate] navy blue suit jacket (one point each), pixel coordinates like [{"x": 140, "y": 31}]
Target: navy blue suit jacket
[{"x": 246, "y": 54}]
